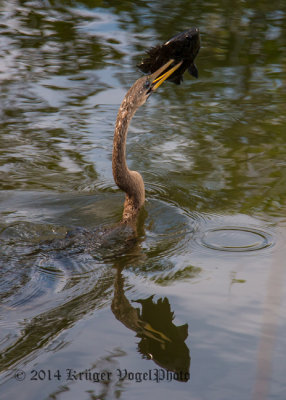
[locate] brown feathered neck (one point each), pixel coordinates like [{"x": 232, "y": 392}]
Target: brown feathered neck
[{"x": 131, "y": 182}]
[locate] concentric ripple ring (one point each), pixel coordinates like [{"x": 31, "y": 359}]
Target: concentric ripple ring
[{"x": 236, "y": 239}]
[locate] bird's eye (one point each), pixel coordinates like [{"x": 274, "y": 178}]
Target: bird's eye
[{"x": 147, "y": 84}]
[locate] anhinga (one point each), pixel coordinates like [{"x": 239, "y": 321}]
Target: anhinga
[{"x": 168, "y": 61}]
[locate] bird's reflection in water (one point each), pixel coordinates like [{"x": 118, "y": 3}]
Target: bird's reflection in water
[{"x": 161, "y": 340}]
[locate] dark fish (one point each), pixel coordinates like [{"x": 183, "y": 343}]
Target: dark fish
[{"x": 182, "y": 47}]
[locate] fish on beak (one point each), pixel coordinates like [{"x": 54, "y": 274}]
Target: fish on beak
[{"x": 159, "y": 76}]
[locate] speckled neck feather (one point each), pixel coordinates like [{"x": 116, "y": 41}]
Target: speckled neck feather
[{"x": 131, "y": 182}]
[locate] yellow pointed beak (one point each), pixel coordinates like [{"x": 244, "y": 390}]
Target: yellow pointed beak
[{"x": 158, "y": 78}]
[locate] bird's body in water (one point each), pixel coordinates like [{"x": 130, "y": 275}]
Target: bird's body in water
[
  {"x": 131, "y": 182},
  {"x": 168, "y": 63}
]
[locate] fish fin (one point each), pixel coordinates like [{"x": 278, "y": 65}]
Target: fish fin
[
  {"x": 193, "y": 70},
  {"x": 154, "y": 59}
]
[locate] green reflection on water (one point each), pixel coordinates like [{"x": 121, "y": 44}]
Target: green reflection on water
[
  {"x": 212, "y": 146},
  {"x": 221, "y": 142}
]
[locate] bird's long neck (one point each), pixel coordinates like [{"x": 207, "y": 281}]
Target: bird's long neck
[{"x": 130, "y": 182}]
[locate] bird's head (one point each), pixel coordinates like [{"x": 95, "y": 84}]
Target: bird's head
[{"x": 146, "y": 85}]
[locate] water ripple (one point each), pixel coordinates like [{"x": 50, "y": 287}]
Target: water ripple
[
  {"x": 237, "y": 239},
  {"x": 234, "y": 233}
]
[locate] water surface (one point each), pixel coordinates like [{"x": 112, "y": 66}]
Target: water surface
[{"x": 200, "y": 292}]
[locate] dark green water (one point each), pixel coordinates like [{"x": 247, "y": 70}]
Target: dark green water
[{"x": 211, "y": 243}]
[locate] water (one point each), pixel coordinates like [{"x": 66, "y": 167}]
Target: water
[{"x": 75, "y": 317}]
